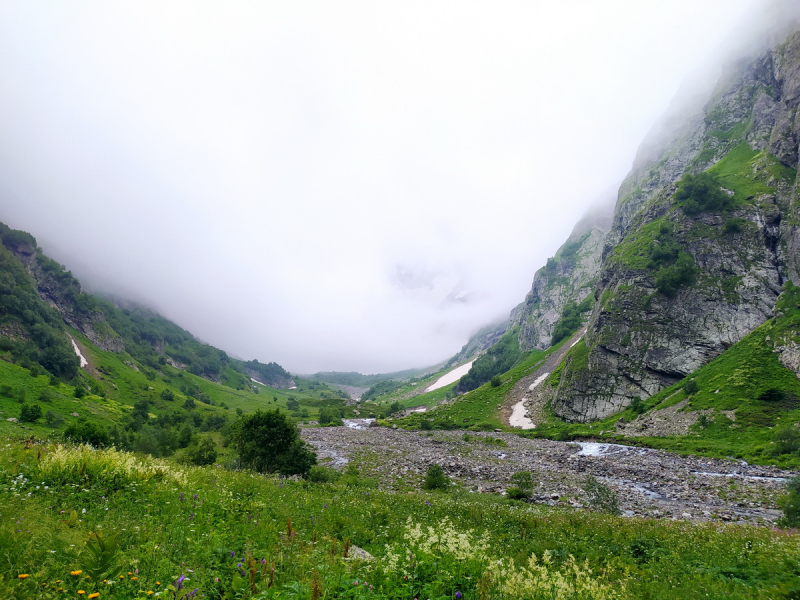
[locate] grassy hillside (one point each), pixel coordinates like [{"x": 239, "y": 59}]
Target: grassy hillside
[{"x": 76, "y": 522}]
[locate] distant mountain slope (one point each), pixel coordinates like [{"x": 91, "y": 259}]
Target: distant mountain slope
[{"x": 35, "y": 282}]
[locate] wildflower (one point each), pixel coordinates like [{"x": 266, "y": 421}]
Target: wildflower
[
  {"x": 134, "y": 578},
  {"x": 158, "y": 583},
  {"x": 87, "y": 578},
  {"x": 458, "y": 595},
  {"x": 179, "y": 584},
  {"x": 122, "y": 576},
  {"x": 23, "y": 576},
  {"x": 95, "y": 595},
  {"x": 75, "y": 573},
  {"x": 81, "y": 592}
]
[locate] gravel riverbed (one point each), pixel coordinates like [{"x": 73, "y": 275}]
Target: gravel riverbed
[{"x": 648, "y": 482}]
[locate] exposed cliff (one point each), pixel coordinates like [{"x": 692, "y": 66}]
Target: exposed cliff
[
  {"x": 565, "y": 282},
  {"x": 705, "y": 234}
]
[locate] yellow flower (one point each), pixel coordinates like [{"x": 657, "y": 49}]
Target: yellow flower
[
  {"x": 158, "y": 583},
  {"x": 81, "y": 592},
  {"x": 122, "y": 576},
  {"x": 88, "y": 578},
  {"x": 23, "y": 576},
  {"x": 58, "y": 581},
  {"x": 95, "y": 595},
  {"x": 134, "y": 578},
  {"x": 75, "y": 573}
]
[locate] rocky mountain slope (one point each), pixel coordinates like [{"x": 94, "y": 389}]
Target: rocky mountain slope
[{"x": 704, "y": 236}]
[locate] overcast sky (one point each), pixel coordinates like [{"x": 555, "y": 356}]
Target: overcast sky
[{"x": 329, "y": 185}]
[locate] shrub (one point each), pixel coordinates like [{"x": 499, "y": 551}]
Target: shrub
[
  {"x": 496, "y": 381},
  {"x": 787, "y": 441},
  {"x": 790, "y": 504},
  {"x": 600, "y": 497},
  {"x": 167, "y": 395},
  {"x": 435, "y": 478},
  {"x": 86, "y": 432},
  {"x": 202, "y": 453},
  {"x": 637, "y": 406},
  {"x": 30, "y": 413},
  {"x": 670, "y": 278},
  {"x": 320, "y": 474},
  {"x": 80, "y": 391},
  {"x": 702, "y": 193},
  {"x": 691, "y": 387},
  {"x": 53, "y": 419},
  {"x": 269, "y": 442}
]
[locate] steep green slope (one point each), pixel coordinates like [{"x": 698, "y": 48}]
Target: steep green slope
[{"x": 149, "y": 385}]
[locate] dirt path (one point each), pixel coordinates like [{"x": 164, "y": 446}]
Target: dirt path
[
  {"x": 648, "y": 482},
  {"x": 519, "y": 392}
]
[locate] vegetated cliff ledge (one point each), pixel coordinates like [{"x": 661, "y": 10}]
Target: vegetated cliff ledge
[{"x": 705, "y": 234}]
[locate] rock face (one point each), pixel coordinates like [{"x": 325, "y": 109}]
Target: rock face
[
  {"x": 570, "y": 276},
  {"x": 678, "y": 286},
  {"x": 62, "y": 291}
]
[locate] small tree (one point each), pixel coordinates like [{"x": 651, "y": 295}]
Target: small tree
[
  {"x": 600, "y": 497},
  {"x": 691, "y": 387},
  {"x": 167, "y": 395},
  {"x": 435, "y": 478},
  {"x": 523, "y": 485},
  {"x": 269, "y": 442},
  {"x": 30, "y": 413}
]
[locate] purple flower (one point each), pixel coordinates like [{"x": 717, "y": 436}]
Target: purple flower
[
  {"x": 181, "y": 496},
  {"x": 194, "y": 497},
  {"x": 179, "y": 583},
  {"x": 233, "y": 553},
  {"x": 458, "y": 595}
]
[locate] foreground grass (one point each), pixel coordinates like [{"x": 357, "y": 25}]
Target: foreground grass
[{"x": 239, "y": 535}]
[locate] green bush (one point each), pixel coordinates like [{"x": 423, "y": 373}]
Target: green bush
[
  {"x": 691, "y": 387},
  {"x": 702, "y": 193},
  {"x": 202, "y": 453},
  {"x": 670, "y": 278},
  {"x": 30, "y": 413},
  {"x": 496, "y": 381},
  {"x": 86, "y": 432},
  {"x": 787, "y": 441},
  {"x": 435, "y": 479},
  {"x": 320, "y": 474},
  {"x": 600, "y": 497},
  {"x": 790, "y": 504},
  {"x": 53, "y": 419},
  {"x": 269, "y": 442},
  {"x": 637, "y": 406}
]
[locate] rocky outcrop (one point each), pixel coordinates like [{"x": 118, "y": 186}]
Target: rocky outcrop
[
  {"x": 61, "y": 290},
  {"x": 654, "y": 323},
  {"x": 569, "y": 277}
]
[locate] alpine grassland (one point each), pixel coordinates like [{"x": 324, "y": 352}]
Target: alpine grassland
[{"x": 77, "y": 522}]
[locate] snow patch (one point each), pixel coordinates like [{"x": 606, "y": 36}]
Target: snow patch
[
  {"x": 450, "y": 377},
  {"x": 84, "y": 362}
]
